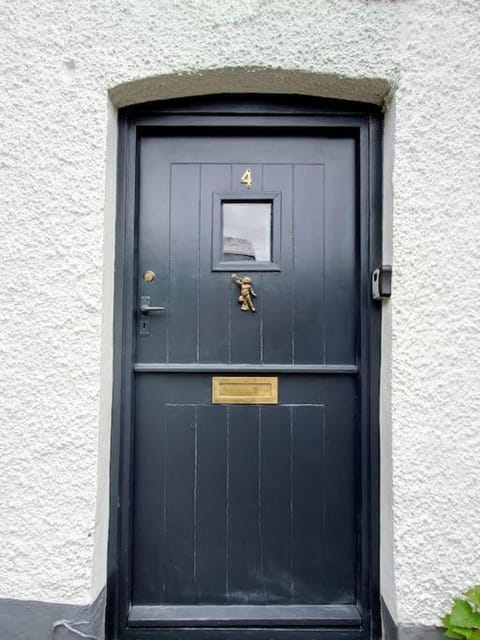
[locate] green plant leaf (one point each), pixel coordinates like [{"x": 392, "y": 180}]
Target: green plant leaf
[
  {"x": 454, "y": 635},
  {"x": 473, "y": 596},
  {"x": 462, "y": 632},
  {"x": 469, "y": 634},
  {"x": 463, "y": 615}
]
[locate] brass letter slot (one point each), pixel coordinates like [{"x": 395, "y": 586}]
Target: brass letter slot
[{"x": 233, "y": 390}]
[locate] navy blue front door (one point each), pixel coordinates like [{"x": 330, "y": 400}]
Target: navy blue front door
[{"x": 246, "y": 515}]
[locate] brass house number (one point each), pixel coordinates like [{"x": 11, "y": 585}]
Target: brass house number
[{"x": 247, "y": 178}]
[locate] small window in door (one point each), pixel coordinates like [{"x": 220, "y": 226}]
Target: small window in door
[{"x": 246, "y": 233}]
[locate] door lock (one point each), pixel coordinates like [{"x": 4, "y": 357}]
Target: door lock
[
  {"x": 144, "y": 311},
  {"x": 382, "y": 282}
]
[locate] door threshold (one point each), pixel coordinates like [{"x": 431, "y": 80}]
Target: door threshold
[{"x": 311, "y": 615}]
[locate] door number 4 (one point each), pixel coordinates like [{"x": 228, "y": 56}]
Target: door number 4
[{"x": 247, "y": 178}]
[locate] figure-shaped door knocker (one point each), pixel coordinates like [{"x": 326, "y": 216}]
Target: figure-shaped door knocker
[{"x": 246, "y": 292}]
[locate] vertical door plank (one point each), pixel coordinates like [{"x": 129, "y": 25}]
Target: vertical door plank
[
  {"x": 341, "y": 265},
  {"x": 148, "y": 550},
  {"x": 181, "y": 312},
  {"x": 179, "y": 537},
  {"x": 277, "y": 292},
  {"x": 309, "y": 306},
  {"x": 342, "y": 481},
  {"x": 153, "y": 242},
  {"x": 244, "y": 564},
  {"x": 211, "y": 509},
  {"x": 276, "y": 503},
  {"x": 215, "y": 287},
  {"x": 245, "y": 326},
  {"x": 308, "y": 503}
]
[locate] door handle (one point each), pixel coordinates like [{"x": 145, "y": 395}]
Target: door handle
[{"x": 146, "y": 308}]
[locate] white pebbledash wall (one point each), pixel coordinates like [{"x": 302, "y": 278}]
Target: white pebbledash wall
[{"x": 65, "y": 68}]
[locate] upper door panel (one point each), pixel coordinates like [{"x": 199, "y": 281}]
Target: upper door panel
[{"x": 304, "y": 269}]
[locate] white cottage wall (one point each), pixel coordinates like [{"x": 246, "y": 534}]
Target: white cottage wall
[{"x": 60, "y": 63}]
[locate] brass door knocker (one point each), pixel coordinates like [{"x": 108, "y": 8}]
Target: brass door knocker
[{"x": 246, "y": 292}]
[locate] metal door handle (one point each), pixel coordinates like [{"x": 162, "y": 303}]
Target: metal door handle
[{"x": 146, "y": 308}]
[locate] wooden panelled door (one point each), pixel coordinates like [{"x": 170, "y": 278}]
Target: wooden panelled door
[{"x": 244, "y": 479}]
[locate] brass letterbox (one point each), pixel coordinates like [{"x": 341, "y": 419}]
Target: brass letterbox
[{"x": 236, "y": 390}]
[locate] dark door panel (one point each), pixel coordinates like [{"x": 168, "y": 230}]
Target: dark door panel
[
  {"x": 255, "y": 504},
  {"x": 315, "y": 292},
  {"x": 246, "y": 504},
  {"x": 247, "y": 519}
]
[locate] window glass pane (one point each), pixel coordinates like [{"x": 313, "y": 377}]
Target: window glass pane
[{"x": 247, "y": 231}]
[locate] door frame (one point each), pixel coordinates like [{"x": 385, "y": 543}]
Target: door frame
[{"x": 302, "y": 114}]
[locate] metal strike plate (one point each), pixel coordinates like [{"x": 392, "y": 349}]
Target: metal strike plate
[
  {"x": 382, "y": 282},
  {"x": 236, "y": 390}
]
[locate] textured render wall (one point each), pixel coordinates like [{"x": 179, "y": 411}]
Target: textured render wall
[
  {"x": 436, "y": 308},
  {"x": 60, "y": 60}
]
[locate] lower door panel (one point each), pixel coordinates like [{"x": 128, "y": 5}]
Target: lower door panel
[{"x": 244, "y": 515}]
